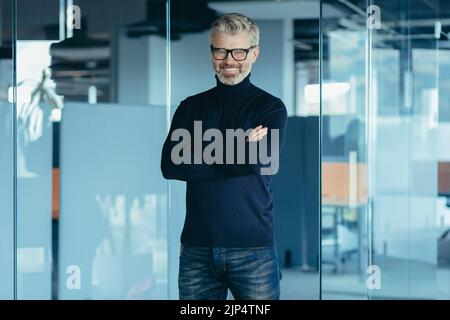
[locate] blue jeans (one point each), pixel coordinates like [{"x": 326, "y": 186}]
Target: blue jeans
[{"x": 206, "y": 273}]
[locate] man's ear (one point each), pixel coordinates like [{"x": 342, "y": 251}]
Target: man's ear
[{"x": 255, "y": 53}]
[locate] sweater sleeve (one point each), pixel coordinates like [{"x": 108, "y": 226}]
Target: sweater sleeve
[
  {"x": 186, "y": 170},
  {"x": 266, "y": 152}
]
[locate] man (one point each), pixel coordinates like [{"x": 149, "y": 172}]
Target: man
[{"x": 227, "y": 241}]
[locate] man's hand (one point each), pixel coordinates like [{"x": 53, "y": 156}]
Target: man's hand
[{"x": 257, "y": 134}]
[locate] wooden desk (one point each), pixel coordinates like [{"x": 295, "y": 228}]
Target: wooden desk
[
  {"x": 344, "y": 188},
  {"x": 336, "y": 184},
  {"x": 444, "y": 179}
]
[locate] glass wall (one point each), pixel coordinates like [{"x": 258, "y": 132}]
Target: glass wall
[
  {"x": 92, "y": 204},
  {"x": 384, "y": 213},
  {"x": 98, "y": 82},
  {"x": 362, "y": 205},
  {"x": 344, "y": 234},
  {"x": 288, "y": 60},
  {"x": 405, "y": 210},
  {"x": 7, "y": 138}
]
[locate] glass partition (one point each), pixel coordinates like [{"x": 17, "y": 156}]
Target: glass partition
[
  {"x": 362, "y": 207},
  {"x": 7, "y": 152},
  {"x": 288, "y": 61},
  {"x": 403, "y": 150},
  {"x": 92, "y": 206},
  {"x": 92, "y": 203},
  {"x": 384, "y": 207},
  {"x": 344, "y": 155}
]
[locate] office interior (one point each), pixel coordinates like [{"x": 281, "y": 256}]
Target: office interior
[{"x": 362, "y": 197}]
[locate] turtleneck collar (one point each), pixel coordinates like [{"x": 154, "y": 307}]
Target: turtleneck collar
[{"x": 240, "y": 87}]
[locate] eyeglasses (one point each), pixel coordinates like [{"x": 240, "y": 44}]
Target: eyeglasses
[{"x": 237, "y": 54}]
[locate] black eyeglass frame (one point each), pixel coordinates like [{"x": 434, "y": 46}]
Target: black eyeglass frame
[{"x": 214, "y": 49}]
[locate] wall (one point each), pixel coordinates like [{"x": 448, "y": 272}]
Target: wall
[{"x": 113, "y": 219}]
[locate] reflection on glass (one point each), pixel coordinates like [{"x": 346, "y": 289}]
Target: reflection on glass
[
  {"x": 92, "y": 205},
  {"x": 344, "y": 165},
  {"x": 289, "y": 41},
  {"x": 35, "y": 93},
  {"x": 7, "y": 137},
  {"x": 394, "y": 130}
]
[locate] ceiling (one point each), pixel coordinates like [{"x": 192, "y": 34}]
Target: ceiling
[{"x": 412, "y": 20}]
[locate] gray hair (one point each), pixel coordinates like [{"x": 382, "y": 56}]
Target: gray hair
[{"x": 235, "y": 23}]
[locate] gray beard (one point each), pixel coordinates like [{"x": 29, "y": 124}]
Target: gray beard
[{"x": 233, "y": 81}]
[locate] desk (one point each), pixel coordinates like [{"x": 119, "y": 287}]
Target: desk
[
  {"x": 444, "y": 181},
  {"x": 340, "y": 187},
  {"x": 344, "y": 186}
]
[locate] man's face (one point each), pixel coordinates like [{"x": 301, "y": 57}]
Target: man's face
[{"x": 230, "y": 71}]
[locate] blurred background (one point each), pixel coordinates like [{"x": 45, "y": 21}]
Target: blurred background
[{"x": 87, "y": 91}]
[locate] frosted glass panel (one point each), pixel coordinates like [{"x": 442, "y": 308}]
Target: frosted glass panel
[
  {"x": 398, "y": 108},
  {"x": 6, "y": 201},
  {"x": 6, "y": 154},
  {"x": 112, "y": 224},
  {"x": 34, "y": 187}
]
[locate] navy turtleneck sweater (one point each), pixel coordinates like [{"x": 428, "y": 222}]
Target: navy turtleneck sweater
[{"x": 227, "y": 205}]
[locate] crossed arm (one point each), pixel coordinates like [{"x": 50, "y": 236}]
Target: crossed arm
[{"x": 275, "y": 118}]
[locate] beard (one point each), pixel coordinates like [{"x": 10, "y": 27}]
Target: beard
[{"x": 231, "y": 81}]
